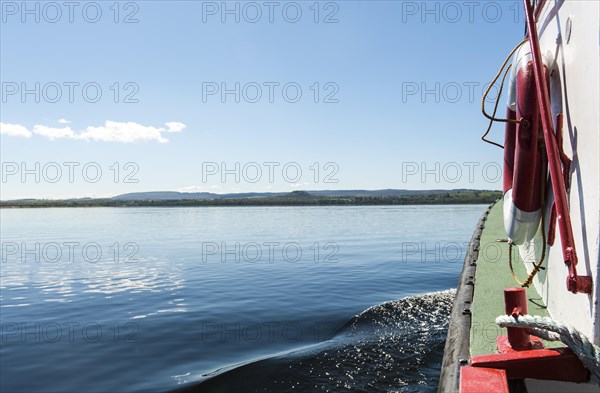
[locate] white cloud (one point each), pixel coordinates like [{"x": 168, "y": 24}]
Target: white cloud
[
  {"x": 63, "y": 121},
  {"x": 111, "y": 131},
  {"x": 129, "y": 132},
  {"x": 54, "y": 133},
  {"x": 175, "y": 126},
  {"x": 14, "y": 130}
]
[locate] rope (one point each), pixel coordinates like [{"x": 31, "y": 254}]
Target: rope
[
  {"x": 493, "y": 117},
  {"x": 537, "y": 265},
  {"x": 551, "y": 330}
]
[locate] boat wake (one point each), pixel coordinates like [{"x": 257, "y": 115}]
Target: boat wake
[{"x": 395, "y": 346}]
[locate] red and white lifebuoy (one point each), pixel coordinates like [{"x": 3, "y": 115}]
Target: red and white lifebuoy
[{"x": 522, "y": 154}]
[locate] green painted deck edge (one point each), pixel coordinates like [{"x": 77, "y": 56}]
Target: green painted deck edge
[{"x": 491, "y": 277}]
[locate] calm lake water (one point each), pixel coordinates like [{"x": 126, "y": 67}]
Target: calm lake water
[{"x": 228, "y": 299}]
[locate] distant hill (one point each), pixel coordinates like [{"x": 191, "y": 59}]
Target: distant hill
[
  {"x": 295, "y": 198},
  {"x": 298, "y": 195},
  {"x": 164, "y": 196},
  {"x": 185, "y": 196}
]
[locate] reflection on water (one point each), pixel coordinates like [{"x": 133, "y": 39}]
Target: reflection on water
[
  {"x": 139, "y": 299},
  {"x": 66, "y": 281}
]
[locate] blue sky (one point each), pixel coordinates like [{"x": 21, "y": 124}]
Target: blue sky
[{"x": 169, "y": 129}]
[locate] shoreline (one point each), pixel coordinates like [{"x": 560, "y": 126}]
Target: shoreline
[{"x": 450, "y": 198}]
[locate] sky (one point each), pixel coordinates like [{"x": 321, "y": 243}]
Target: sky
[{"x": 105, "y": 98}]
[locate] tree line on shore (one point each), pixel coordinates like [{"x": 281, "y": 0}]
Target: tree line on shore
[{"x": 298, "y": 198}]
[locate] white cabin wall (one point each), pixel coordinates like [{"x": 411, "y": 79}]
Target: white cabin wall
[{"x": 579, "y": 65}]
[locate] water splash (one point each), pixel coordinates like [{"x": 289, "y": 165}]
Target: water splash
[{"x": 395, "y": 346}]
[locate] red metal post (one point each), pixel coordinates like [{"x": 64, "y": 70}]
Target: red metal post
[
  {"x": 515, "y": 303},
  {"x": 574, "y": 283}
]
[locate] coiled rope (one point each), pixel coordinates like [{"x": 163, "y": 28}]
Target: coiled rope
[{"x": 551, "y": 330}]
